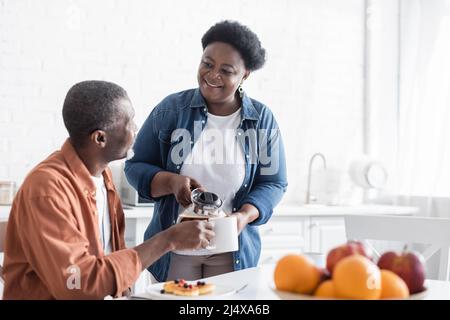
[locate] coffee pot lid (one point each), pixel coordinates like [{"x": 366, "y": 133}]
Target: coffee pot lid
[{"x": 206, "y": 199}]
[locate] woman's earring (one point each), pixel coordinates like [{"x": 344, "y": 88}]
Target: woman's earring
[{"x": 241, "y": 91}]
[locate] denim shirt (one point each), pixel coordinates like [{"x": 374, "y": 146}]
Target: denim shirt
[{"x": 166, "y": 139}]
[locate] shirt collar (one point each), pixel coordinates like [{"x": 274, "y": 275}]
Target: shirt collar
[
  {"x": 248, "y": 109},
  {"x": 80, "y": 171}
]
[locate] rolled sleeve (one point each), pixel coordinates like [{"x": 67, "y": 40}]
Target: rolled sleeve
[
  {"x": 265, "y": 197},
  {"x": 140, "y": 176},
  {"x": 124, "y": 276},
  {"x": 271, "y": 178}
]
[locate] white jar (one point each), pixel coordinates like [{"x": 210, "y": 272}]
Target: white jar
[{"x": 7, "y": 189}]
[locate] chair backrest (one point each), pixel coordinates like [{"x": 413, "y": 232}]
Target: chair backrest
[
  {"x": 2, "y": 241},
  {"x": 406, "y": 229}
]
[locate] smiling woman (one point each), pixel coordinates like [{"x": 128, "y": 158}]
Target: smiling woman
[{"x": 213, "y": 122}]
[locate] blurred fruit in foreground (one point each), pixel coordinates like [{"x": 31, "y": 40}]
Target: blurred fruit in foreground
[
  {"x": 392, "y": 286},
  {"x": 356, "y": 277},
  {"x": 324, "y": 275},
  {"x": 296, "y": 273},
  {"x": 325, "y": 290},
  {"x": 351, "y": 247},
  {"x": 408, "y": 265}
]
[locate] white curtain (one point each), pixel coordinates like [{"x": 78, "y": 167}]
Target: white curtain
[{"x": 422, "y": 177}]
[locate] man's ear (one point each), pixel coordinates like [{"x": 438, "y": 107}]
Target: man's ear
[{"x": 98, "y": 137}]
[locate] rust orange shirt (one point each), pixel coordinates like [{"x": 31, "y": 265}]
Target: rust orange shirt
[{"x": 52, "y": 245}]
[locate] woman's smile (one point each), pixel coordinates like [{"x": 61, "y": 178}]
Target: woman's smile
[{"x": 212, "y": 84}]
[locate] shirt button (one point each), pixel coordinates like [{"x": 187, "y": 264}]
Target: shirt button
[
  {"x": 237, "y": 261},
  {"x": 234, "y": 209},
  {"x": 173, "y": 222},
  {"x": 204, "y": 109},
  {"x": 178, "y": 167},
  {"x": 192, "y": 142},
  {"x": 203, "y": 121},
  {"x": 245, "y": 185},
  {"x": 239, "y": 133},
  {"x": 247, "y": 156}
]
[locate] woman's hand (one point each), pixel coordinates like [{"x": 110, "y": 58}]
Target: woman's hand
[
  {"x": 242, "y": 221},
  {"x": 181, "y": 187},
  {"x": 246, "y": 214}
]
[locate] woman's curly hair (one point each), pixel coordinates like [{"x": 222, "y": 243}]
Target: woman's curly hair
[{"x": 241, "y": 38}]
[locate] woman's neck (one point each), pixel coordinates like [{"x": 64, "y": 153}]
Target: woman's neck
[{"x": 224, "y": 108}]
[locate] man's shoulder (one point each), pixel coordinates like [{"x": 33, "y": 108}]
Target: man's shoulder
[{"x": 50, "y": 175}]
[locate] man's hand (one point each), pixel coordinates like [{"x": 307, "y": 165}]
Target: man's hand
[
  {"x": 187, "y": 235},
  {"x": 190, "y": 235},
  {"x": 126, "y": 293},
  {"x": 181, "y": 187}
]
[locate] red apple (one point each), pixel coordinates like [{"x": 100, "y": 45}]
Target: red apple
[
  {"x": 324, "y": 275},
  {"x": 351, "y": 247},
  {"x": 408, "y": 265}
]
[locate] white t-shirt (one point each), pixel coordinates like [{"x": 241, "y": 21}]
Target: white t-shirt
[
  {"x": 104, "y": 221},
  {"x": 217, "y": 162}
]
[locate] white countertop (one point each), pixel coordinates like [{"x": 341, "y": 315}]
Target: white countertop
[
  {"x": 309, "y": 210},
  {"x": 259, "y": 283},
  {"x": 322, "y": 210},
  {"x": 283, "y": 210}
]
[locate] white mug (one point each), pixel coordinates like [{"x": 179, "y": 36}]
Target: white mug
[{"x": 226, "y": 238}]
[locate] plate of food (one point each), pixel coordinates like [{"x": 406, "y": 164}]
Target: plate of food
[{"x": 181, "y": 289}]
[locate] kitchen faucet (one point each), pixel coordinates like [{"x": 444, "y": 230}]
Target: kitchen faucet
[{"x": 308, "y": 192}]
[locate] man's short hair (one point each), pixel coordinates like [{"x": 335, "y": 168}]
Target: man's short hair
[{"x": 89, "y": 106}]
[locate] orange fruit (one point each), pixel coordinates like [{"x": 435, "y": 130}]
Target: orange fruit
[
  {"x": 325, "y": 290},
  {"x": 356, "y": 277},
  {"x": 392, "y": 286},
  {"x": 296, "y": 273}
]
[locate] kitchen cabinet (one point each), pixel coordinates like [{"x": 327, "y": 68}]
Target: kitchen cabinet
[
  {"x": 326, "y": 233},
  {"x": 317, "y": 229},
  {"x": 314, "y": 234},
  {"x": 283, "y": 234}
]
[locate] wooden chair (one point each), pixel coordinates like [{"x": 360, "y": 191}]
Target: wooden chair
[{"x": 406, "y": 229}]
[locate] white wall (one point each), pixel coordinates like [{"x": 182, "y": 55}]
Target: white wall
[{"x": 313, "y": 80}]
